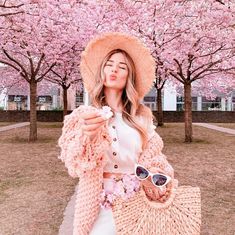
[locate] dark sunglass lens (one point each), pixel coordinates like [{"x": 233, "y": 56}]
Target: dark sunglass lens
[
  {"x": 159, "y": 180},
  {"x": 141, "y": 172}
]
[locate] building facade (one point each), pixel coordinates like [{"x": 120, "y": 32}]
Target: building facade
[{"x": 170, "y": 99}]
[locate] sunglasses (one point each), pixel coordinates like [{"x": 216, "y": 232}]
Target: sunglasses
[{"x": 158, "y": 179}]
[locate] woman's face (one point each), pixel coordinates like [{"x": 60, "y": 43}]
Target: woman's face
[{"x": 116, "y": 72}]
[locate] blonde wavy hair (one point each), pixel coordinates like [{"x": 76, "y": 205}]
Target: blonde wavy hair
[{"x": 132, "y": 108}]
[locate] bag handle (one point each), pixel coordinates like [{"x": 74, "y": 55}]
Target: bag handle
[{"x": 161, "y": 205}]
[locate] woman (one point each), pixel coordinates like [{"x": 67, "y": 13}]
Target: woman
[{"x": 117, "y": 70}]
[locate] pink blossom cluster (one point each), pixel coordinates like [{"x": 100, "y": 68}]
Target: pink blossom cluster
[{"x": 126, "y": 187}]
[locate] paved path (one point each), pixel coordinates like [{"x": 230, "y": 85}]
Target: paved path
[
  {"x": 217, "y": 128},
  {"x": 9, "y": 127},
  {"x": 66, "y": 227}
]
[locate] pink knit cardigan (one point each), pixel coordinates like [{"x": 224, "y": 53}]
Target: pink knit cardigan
[{"x": 86, "y": 160}]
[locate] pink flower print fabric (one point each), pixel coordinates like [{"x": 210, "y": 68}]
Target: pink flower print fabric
[{"x": 126, "y": 187}]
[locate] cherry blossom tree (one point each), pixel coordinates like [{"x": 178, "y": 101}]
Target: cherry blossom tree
[
  {"x": 8, "y": 8},
  {"x": 193, "y": 41},
  {"x": 204, "y": 52},
  {"x": 34, "y": 42},
  {"x": 66, "y": 75}
]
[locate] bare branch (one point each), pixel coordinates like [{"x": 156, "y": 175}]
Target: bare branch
[
  {"x": 219, "y": 1},
  {"x": 212, "y": 53},
  {"x": 177, "y": 78},
  {"x": 54, "y": 80},
  {"x": 180, "y": 70},
  {"x": 13, "y": 6},
  {"x": 39, "y": 63},
  {"x": 18, "y": 63},
  {"x": 11, "y": 13},
  {"x": 31, "y": 64},
  {"x": 44, "y": 74},
  {"x": 4, "y": 6},
  {"x": 9, "y": 64},
  {"x": 205, "y": 70}
]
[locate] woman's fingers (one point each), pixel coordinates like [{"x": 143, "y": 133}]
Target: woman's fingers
[
  {"x": 157, "y": 193},
  {"x": 151, "y": 191},
  {"x": 90, "y": 115},
  {"x": 94, "y": 120},
  {"x": 92, "y": 127}
]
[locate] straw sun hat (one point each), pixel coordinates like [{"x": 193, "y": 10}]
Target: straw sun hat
[{"x": 99, "y": 47}]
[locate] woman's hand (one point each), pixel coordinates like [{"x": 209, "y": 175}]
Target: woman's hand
[
  {"x": 92, "y": 123},
  {"x": 156, "y": 193}
]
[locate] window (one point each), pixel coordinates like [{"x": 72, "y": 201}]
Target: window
[
  {"x": 233, "y": 103},
  {"x": 44, "y": 102},
  {"x": 79, "y": 99},
  {"x": 180, "y": 103},
  {"x": 150, "y": 101},
  {"x": 210, "y": 105},
  {"x": 17, "y": 102}
]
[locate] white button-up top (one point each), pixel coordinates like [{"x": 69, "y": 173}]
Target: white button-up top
[{"x": 125, "y": 148}]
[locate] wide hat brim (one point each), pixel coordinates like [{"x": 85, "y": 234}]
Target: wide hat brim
[{"x": 99, "y": 47}]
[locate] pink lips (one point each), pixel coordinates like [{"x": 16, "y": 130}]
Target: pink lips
[{"x": 112, "y": 77}]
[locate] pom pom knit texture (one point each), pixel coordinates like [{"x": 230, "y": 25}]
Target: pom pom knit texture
[{"x": 86, "y": 160}]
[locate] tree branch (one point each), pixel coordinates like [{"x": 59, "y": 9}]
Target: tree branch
[
  {"x": 44, "y": 74},
  {"x": 13, "y": 6},
  {"x": 31, "y": 64},
  {"x": 18, "y": 63},
  {"x": 39, "y": 64},
  {"x": 177, "y": 78},
  {"x": 180, "y": 70},
  {"x": 12, "y": 13},
  {"x": 206, "y": 69},
  {"x": 219, "y": 1},
  {"x": 4, "y": 6}
]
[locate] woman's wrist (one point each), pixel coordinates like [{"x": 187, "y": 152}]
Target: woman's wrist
[{"x": 157, "y": 194}]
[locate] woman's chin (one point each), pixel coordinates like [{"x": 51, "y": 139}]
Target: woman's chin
[{"x": 113, "y": 87}]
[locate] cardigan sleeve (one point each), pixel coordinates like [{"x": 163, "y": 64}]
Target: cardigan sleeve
[
  {"x": 152, "y": 155},
  {"x": 77, "y": 152}
]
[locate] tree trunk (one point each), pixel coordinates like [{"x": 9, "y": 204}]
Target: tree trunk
[
  {"x": 188, "y": 113},
  {"x": 65, "y": 101},
  {"x": 33, "y": 111},
  {"x": 159, "y": 108}
]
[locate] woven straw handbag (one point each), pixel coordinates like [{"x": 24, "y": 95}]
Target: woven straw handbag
[{"x": 180, "y": 214}]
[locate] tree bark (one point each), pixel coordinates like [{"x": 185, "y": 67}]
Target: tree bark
[
  {"x": 159, "y": 108},
  {"x": 33, "y": 111},
  {"x": 188, "y": 113},
  {"x": 65, "y": 100}
]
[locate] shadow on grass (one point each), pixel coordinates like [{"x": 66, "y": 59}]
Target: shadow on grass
[
  {"x": 201, "y": 141},
  {"x": 22, "y": 140},
  {"x": 50, "y": 125},
  {"x": 164, "y": 126},
  {"x": 172, "y": 140}
]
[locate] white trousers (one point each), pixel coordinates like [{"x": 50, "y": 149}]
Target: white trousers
[{"x": 104, "y": 224}]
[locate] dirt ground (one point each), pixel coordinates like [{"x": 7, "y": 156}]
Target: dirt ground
[{"x": 35, "y": 186}]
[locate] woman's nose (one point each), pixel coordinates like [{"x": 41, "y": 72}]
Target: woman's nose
[{"x": 114, "y": 69}]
